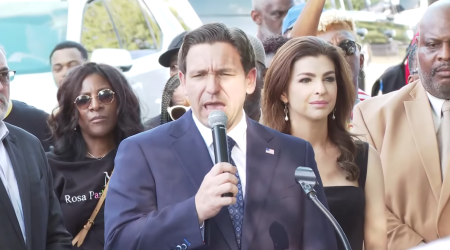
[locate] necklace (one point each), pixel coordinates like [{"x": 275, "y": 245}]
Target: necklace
[{"x": 98, "y": 158}]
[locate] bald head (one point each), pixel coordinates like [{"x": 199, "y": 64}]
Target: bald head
[
  {"x": 269, "y": 15},
  {"x": 433, "y": 52}
]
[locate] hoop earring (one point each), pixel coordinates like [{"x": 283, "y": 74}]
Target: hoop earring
[
  {"x": 286, "y": 111},
  {"x": 333, "y": 117}
]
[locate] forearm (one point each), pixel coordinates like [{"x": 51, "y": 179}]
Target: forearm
[
  {"x": 400, "y": 235},
  {"x": 308, "y": 21},
  {"x": 165, "y": 229}
]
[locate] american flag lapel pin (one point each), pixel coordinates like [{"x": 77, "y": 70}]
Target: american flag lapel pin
[{"x": 270, "y": 151}]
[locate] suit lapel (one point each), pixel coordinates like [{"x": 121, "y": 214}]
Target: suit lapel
[
  {"x": 260, "y": 169},
  {"x": 420, "y": 119},
  {"x": 23, "y": 183},
  {"x": 191, "y": 151}
]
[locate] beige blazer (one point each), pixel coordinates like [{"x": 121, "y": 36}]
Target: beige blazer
[{"x": 400, "y": 126}]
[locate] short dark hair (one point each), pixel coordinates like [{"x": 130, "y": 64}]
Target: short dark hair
[
  {"x": 70, "y": 45},
  {"x": 69, "y": 143},
  {"x": 272, "y": 44},
  {"x": 412, "y": 57},
  {"x": 215, "y": 33}
]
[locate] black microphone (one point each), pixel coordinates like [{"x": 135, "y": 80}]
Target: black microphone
[
  {"x": 307, "y": 179},
  {"x": 217, "y": 121}
]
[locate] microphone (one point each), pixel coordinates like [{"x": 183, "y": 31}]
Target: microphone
[
  {"x": 217, "y": 121},
  {"x": 307, "y": 179}
]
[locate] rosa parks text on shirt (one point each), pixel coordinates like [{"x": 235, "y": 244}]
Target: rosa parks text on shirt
[{"x": 90, "y": 195}]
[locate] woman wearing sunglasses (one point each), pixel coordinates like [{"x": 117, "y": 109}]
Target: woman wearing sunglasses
[
  {"x": 97, "y": 110},
  {"x": 309, "y": 94},
  {"x": 173, "y": 104}
]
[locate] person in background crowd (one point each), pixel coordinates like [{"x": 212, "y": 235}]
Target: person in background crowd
[
  {"x": 171, "y": 196},
  {"x": 252, "y": 104},
  {"x": 65, "y": 56},
  {"x": 407, "y": 68},
  {"x": 98, "y": 109},
  {"x": 290, "y": 18},
  {"x": 169, "y": 59},
  {"x": 412, "y": 64},
  {"x": 173, "y": 105},
  {"x": 30, "y": 214},
  {"x": 27, "y": 117},
  {"x": 410, "y": 130},
  {"x": 337, "y": 28},
  {"x": 309, "y": 94},
  {"x": 268, "y": 15},
  {"x": 271, "y": 45}
]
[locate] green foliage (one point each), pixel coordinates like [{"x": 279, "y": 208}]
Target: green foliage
[
  {"x": 131, "y": 25},
  {"x": 357, "y": 4}
]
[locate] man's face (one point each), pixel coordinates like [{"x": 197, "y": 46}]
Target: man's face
[
  {"x": 215, "y": 80},
  {"x": 270, "y": 16},
  {"x": 63, "y": 60},
  {"x": 4, "y": 86},
  {"x": 174, "y": 65},
  {"x": 433, "y": 52}
]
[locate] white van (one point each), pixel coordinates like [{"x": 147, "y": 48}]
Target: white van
[{"x": 134, "y": 32}]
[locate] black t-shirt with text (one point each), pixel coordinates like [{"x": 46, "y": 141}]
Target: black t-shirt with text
[{"x": 79, "y": 186}]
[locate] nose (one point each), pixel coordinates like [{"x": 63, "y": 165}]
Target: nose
[
  {"x": 445, "y": 52},
  {"x": 320, "y": 87},
  {"x": 212, "y": 84},
  {"x": 95, "y": 104}
]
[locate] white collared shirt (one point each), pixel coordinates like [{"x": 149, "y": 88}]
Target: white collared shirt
[
  {"x": 436, "y": 105},
  {"x": 239, "y": 152},
  {"x": 9, "y": 180}
]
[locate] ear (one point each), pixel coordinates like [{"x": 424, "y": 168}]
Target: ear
[
  {"x": 183, "y": 82},
  {"x": 256, "y": 17},
  {"x": 284, "y": 98},
  {"x": 361, "y": 60},
  {"x": 411, "y": 79},
  {"x": 251, "y": 81}
]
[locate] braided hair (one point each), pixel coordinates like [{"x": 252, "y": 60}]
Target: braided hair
[{"x": 166, "y": 100}]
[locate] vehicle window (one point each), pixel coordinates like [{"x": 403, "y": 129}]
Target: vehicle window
[
  {"x": 132, "y": 23},
  {"x": 173, "y": 6},
  {"x": 222, "y": 7},
  {"x": 98, "y": 30},
  {"x": 30, "y": 31}
]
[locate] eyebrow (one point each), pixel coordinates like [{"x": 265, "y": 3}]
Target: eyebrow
[
  {"x": 4, "y": 69},
  {"x": 313, "y": 75},
  {"x": 203, "y": 71}
]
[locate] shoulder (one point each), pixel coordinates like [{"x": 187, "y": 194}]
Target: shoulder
[
  {"x": 21, "y": 135},
  {"x": 286, "y": 140},
  {"x": 28, "y": 110},
  {"x": 391, "y": 101}
]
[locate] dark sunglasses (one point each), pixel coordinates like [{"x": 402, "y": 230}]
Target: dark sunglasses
[
  {"x": 177, "y": 111},
  {"x": 349, "y": 47},
  {"x": 105, "y": 96}
]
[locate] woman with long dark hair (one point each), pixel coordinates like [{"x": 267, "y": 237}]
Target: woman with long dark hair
[
  {"x": 308, "y": 93},
  {"x": 97, "y": 110}
]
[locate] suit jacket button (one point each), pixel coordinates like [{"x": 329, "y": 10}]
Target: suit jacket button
[{"x": 183, "y": 246}]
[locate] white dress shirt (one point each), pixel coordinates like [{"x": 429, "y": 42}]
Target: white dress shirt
[
  {"x": 9, "y": 180},
  {"x": 436, "y": 105},
  {"x": 239, "y": 152}
]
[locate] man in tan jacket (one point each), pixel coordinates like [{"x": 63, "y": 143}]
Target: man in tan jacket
[{"x": 407, "y": 128}]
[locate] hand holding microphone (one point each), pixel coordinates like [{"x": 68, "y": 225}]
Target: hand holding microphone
[{"x": 219, "y": 187}]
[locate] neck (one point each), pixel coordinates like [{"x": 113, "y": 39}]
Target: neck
[
  {"x": 235, "y": 122},
  {"x": 99, "y": 147},
  {"x": 315, "y": 132}
]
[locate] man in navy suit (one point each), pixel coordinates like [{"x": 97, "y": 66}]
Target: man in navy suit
[{"x": 165, "y": 192}]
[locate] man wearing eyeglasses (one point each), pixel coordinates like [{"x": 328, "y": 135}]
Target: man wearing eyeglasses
[
  {"x": 30, "y": 214},
  {"x": 26, "y": 117}
]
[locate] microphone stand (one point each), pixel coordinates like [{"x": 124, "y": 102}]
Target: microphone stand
[{"x": 311, "y": 193}]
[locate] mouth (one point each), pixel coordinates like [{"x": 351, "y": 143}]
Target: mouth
[
  {"x": 98, "y": 118},
  {"x": 214, "y": 106},
  {"x": 443, "y": 71},
  {"x": 319, "y": 104}
]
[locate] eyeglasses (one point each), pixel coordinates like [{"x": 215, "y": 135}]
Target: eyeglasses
[
  {"x": 349, "y": 47},
  {"x": 105, "y": 96},
  {"x": 7, "y": 76},
  {"x": 177, "y": 111}
]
